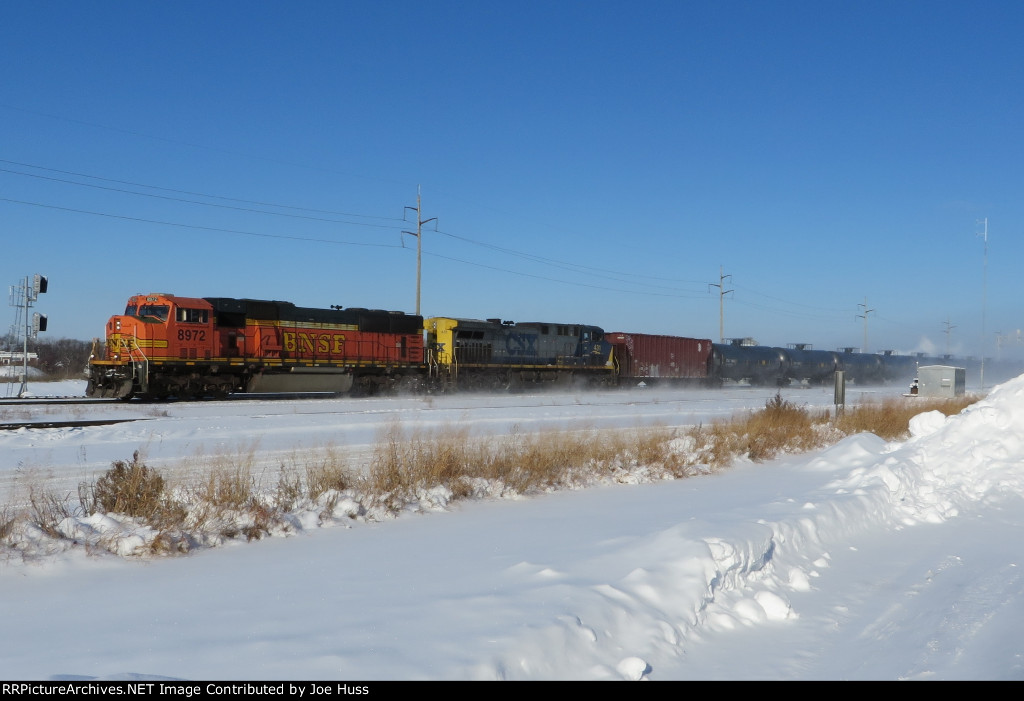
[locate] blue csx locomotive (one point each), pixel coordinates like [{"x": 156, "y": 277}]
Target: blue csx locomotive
[{"x": 495, "y": 354}]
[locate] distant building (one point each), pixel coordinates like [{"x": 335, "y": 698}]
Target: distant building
[
  {"x": 941, "y": 381},
  {"x": 16, "y": 358}
]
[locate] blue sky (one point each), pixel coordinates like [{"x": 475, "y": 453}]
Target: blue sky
[{"x": 593, "y": 162}]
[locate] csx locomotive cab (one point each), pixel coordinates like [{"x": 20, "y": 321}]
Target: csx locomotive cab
[{"x": 496, "y": 354}]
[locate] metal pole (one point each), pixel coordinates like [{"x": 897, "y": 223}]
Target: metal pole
[
  {"x": 865, "y": 317},
  {"x": 419, "y": 249},
  {"x": 722, "y": 292},
  {"x": 840, "y": 391},
  {"x": 984, "y": 302},
  {"x": 24, "y": 346},
  {"x": 419, "y": 244}
]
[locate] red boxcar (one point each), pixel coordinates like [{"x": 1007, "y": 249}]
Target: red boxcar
[{"x": 654, "y": 359}]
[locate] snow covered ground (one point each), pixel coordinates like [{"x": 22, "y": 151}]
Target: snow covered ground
[{"x": 865, "y": 561}]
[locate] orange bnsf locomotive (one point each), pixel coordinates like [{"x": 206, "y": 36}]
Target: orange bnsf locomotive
[{"x": 187, "y": 347}]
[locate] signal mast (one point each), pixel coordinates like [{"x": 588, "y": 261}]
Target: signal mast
[{"x": 25, "y": 325}]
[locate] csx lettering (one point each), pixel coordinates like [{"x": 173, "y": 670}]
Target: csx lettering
[
  {"x": 323, "y": 344},
  {"x": 521, "y": 344}
]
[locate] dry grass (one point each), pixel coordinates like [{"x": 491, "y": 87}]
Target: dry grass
[
  {"x": 891, "y": 419},
  {"x": 784, "y": 427},
  {"x": 404, "y": 463},
  {"x": 128, "y": 488},
  {"x": 46, "y": 510},
  {"x": 528, "y": 461},
  {"x": 225, "y": 487},
  {"x": 8, "y": 519},
  {"x": 780, "y": 427},
  {"x": 222, "y": 499},
  {"x": 325, "y": 470}
]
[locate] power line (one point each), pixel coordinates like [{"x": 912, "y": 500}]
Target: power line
[
  {"x": 562, "y": 282},
  {"x": 566, "y": 265},
  {"x": 559, "y": 263},
  {"x": 175, "y": 142},
  {"x": 194, "y": 194},
  {"x": 197, "y": 226},
  {"x": 645, "y": 280}
]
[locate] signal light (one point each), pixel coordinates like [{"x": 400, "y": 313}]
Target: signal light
[
  {"x": 39, "y": 284},
  {"x": 38, "y": 322}
]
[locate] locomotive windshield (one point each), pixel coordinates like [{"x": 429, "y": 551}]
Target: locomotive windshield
[{"x": 158, "y": 311}]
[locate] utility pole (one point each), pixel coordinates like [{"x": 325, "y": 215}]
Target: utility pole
[
  {"x": 949, "y": 327},
  {"x": 419, "y": 243},
  {"x": 984, "y": 300},
  {"x": 864, "y": 316},
  {"x": 722, "y": 292}
]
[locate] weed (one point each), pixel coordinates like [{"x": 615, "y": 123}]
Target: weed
[
  {"x": 327, "y": 471},
  {"x": 128, "y": 488},
  {"x": 8, "y": 518},
  {"x": 46, "y": 511},
  {"x": 891, "y": 419},
  {"x": 224, "y": 500},
  {"x": 230, "y": 488},
  {"x": 289, "y": 489}
]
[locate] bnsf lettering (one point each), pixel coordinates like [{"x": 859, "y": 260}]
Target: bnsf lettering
[{"x": 322, "y": 344}]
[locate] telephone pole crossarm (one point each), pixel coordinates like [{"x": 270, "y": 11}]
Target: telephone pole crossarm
[
  {"x": 722, "y": 292},
  {"x": 864, "y": 316},
  {"x": 420, "y": 221}
]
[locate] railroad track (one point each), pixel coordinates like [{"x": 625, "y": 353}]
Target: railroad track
[
  {"x": 13, "y": 426},
  {"x": 65, "y": 401}
]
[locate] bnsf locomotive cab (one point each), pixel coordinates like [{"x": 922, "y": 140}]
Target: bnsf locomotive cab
[
  {"x": 155, "y": 330},
  {"x": 184, "y": 347},
  {"x": 164, "y": 327}
]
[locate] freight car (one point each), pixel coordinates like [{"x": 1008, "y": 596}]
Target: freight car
[
  {"x": 745, "y": 361},
  {"x": 740, "y": 360},
  {"x": 862, "y": 368},
  {"x": 809, "y": 366},
  {"x": 651, "y": 359},
  {"x": 186, "y": 347},
  {"x": 495, "y": 354}
]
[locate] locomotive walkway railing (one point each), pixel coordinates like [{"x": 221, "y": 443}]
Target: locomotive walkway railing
[{"x": 132, "y": 349}]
